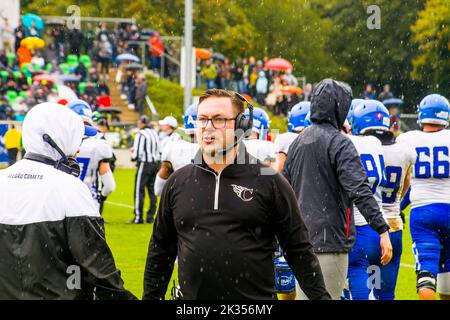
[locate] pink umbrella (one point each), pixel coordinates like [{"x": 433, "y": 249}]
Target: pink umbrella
[{"x": 278, "y": 64}]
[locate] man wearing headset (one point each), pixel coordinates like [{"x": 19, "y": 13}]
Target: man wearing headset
[
  {"x": 52, "y": 239},
  {"x": 220, "y": 216}
]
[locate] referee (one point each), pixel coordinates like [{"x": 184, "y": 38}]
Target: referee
[{"x": 146, "y": 154}]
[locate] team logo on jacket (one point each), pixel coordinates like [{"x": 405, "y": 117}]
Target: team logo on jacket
[{"x": 244, "y": 193}]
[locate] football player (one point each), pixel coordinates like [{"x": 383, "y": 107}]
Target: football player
[
  {"x": 373, "y": 120},
  {"x": 364, "y": 259},
  {"x": 94, "y": 156},
  {"x": 430, "y": 197},
  {"x": 257, "y": 144},
  {"x": 296, "y": 124},
  {"x": 178, "y": 153}
]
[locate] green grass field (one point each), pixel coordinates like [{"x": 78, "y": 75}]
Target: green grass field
[{"x": 129, "y": 242}]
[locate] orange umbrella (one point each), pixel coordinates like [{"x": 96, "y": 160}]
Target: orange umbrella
[
  {"x": 291, "y": 90},
  {"x": 202, "y": 53},
  {"x": 278, "y": 64}
]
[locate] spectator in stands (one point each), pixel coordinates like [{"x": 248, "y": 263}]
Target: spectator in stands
[
  {"x": 141, "y": 93},
  {"x": 105, "y": 56},
  {"x": 33, "y": 31},
  {"x": 19, "y": 34},
  {"x": 226, "y": 74},
  {"x": 252, "y": 82},
  {"x": 58, "y": 35},
  {"x": 3, "y": 107},
  {"x": 103, "y": 88},
  {"x": 157, "y": 50},
  {"x": 369, "y": 93},
  {"x": 307, "y": 90},
  {"x": 76, "y": 41},
  {"x": 173, "y": 67},
  {"x": 218, "y": 79},
  {"x": 289, "y": 78},
  {"x": 3, "y": 59},
  {"x": 102, "y": 31},
  {"x": 209, "y": 72},
  {"x": 88, "y": 38},
  {"x": 7, "y": 36},
  {"x": 38, "y": 61},
  {"x": 386, "y": 94},
  {"x": 50, "y": 53},
  {"x": 12, "y": 144},
  {"x": 394, "y": 120},
  {"x": 131, "y": 85},
  {"x": 261, "y": 88},
  {"x": 238, "y": 76},
  {"x": 81, "y": 72}
]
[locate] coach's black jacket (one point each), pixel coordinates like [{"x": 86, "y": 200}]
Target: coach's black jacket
[
  {"x": 327, "y": 175},
  {"x": 222, "y": 228}
]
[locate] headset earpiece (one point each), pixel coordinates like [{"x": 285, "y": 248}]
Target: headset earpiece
[{"x": 242, "y": 123}]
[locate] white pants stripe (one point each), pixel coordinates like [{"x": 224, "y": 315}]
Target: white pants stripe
[{"x": 136, "y": 200}]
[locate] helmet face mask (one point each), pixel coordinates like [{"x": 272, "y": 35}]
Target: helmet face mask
[
  {"x": 434, "y": 109},
  {"x": 370, "y": 115}
]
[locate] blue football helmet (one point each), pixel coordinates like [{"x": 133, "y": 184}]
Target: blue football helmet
[
  {"x": 355, "y": 102},
  {"x": 370, "y": 114},
  {"x": 261, "y": 122},
  {"x": 83, "y": 109},
  {"x": 297, "y": 115},
  {"x": 434, "y": 109},
  {"x": 189, "y": 117}
]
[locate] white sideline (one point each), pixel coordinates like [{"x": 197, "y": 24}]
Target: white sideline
[{"x": 120, "y": 204}]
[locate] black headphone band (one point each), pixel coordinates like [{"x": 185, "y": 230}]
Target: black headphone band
[{"x": 242, "y": 122}]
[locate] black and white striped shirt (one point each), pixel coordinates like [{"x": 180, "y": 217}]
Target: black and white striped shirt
[{"x": 146, "y": 146}]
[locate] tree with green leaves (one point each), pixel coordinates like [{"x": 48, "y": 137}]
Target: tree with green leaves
[{"x": 432, "y": 34}]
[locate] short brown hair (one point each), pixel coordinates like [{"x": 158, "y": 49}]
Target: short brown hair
[{"x": 236, "y": 102}]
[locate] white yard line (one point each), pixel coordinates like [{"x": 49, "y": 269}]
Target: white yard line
[{"x": 120, "y": 204}]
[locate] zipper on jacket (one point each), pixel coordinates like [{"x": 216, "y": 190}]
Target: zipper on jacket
[{"x": 216, "y": 191}]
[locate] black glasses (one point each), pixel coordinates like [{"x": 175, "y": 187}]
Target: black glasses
[{"x": 217, "y": 123}]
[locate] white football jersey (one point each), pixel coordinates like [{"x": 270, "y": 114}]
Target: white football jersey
[
  {"x": 371, "y": 154},
  {"x": 179, "y": 153},
  {"x": 430, "y": 176},
  {"x": 92, "y": 151},
  {"x": 398, "y": 158},
  {"x": 262, "y": 150},
  {"x": 284, "y": 141}
]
